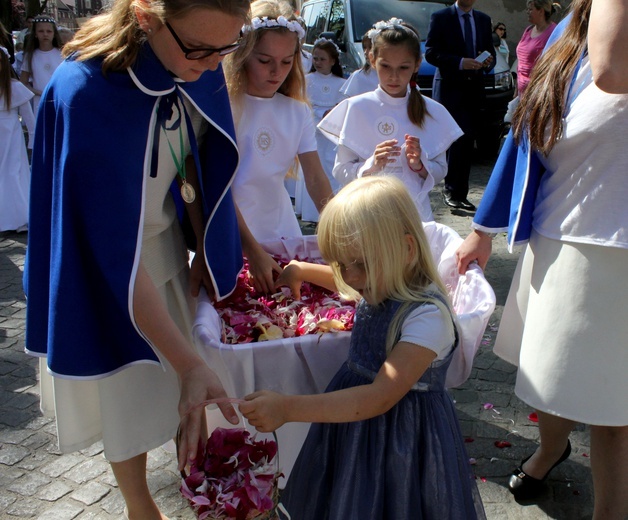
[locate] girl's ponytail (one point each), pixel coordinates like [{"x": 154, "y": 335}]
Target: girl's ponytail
[{"x": 416, "y": 104}]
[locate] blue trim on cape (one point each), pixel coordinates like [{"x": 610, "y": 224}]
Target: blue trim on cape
[
  {"x": 510, "y": 195},
  {"x": 91, "y": 156}
]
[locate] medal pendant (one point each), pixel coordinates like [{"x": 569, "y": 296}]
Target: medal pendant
[{"x": 187, "y": 193}]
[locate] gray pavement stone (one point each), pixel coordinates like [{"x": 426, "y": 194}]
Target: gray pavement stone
[
  {"x": 36, "y": 481},
  {"x": 90, "y": 493}
]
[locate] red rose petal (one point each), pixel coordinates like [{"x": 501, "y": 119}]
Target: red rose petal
[
  {"x": 502, "y": 444},
  {"x": 533, "y": 417},
  {"x": 468, "y": 439}
]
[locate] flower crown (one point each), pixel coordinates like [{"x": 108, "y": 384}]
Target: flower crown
[
  {"x": 270, "y": 23},
  {"x": 44, "y": 19},
  {"x": 378, "y": 27},
  {"x": 325, "y": 40}
]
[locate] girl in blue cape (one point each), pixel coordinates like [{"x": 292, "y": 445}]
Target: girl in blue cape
[
  {"x": 110, "y": 294},
  {"x": 559, "y": 187}
]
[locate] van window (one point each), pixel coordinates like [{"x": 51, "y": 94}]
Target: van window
[
  {"x": 315, "y": 16},
  {"x": 337, "y": 19},
  {"x": 364, "y": 13}
]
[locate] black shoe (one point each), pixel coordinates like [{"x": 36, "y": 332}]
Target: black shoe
[
  {"x": 465, "y": 204},
  {"x": 451, "y": 202},
  {"x": 525, "y": 487}
]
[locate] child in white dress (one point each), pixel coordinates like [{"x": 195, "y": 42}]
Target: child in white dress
[
  {"x": 323, "y": 90},
  {"x": 393, "y": 130},
  {"x": 274, "y": 127},
  {"x": 365, "y": 78},
  {"x": 14, "y": 169},
  {"x": 42, "y": 56}
]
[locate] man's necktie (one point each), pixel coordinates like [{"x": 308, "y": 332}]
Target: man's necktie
[{"x": 468, "y": 36}]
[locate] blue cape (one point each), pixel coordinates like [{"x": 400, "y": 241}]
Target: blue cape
[
  {"x": 510, "y": 195},
  {"x": 91, "y": 156}
]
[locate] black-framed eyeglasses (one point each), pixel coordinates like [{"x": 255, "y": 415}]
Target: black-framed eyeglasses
[{"x": 199, "y": 54}]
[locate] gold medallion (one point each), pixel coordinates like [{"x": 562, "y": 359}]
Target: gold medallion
[{"x": 187, "y": 192}]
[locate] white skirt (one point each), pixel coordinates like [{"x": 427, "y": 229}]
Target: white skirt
[
  {"x": 565, "y": 324},
  {"x": 133, "y": 411}
]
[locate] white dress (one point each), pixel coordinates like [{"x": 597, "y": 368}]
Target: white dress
[
  {"x": 135, "y": 409},
  {"x": 43, "y": 65},
  {"x": 324, "y": 94},
  {"x": 358, "y": 124},
  {"x": 564, "y": 322},
  {"x": 14, "y": 168},
  {"x": 271, "y": 133},
  {"x": 360, "y": 82}
]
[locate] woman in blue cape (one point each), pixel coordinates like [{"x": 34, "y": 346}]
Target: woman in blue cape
[
  {"x": 560, "y": 187},
  {"x": 134, "y": 143}
]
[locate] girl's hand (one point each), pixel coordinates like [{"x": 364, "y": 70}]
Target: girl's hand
[
  {"x": 261, "y": 268},
  {"x": 292, "y": 277},
  {"x": 198, "y": 384},
  {"x": 476, "y": 247},
  {"x": 265, "y": 410},
  {"x": 385, "y": 153},
  {"x": 413, "y": 155},
  {"x": 199, "y": 275}
]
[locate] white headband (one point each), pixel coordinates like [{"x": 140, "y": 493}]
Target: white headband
[
  {"x": 270, "y": 23},
  {"x": 393, "y": 23},
  {"x": 4, "y": 49},
  {"x": 325, "y": 40}
]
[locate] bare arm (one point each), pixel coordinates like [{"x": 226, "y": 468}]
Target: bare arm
[
  {"x": 197, "y": 381},
  {"x": 608, "y": 45},
  {"x": 316, "y": 180},
  {"x": 476, "y": 247},
  {"x": 296, "y": 272},
  {"x": 261, "y": 264},
  {"x": 25, "y": 76},
  {"x": 267, "y": 411}
]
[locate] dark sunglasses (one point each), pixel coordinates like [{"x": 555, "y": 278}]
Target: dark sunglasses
[
  {"x": 199, "y": 54},
  {"x": 500, "y": 29}
]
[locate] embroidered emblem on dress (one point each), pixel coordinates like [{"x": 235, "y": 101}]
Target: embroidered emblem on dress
[
  {"x": 326, "y": 89},
  {"x": 264, "y": 140},
  {"x": 386, "y": 126}
]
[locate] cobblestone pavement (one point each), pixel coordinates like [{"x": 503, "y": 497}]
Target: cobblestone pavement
[{"x": 36, "y": 481}]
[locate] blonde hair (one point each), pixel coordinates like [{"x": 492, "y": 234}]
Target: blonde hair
[
  {"x": 116, "y": 36},
  {"x": 235, "y": 64},
  {"x": 540, "y": 112},
  {"x": 374, "y": 219}
]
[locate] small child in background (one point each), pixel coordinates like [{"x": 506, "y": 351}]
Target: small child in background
[
  {"x": 14, "y": 169},
  {"x": 323, "y": 90},
  {"x": 385, "y": 442},
  {"x": 42, "y": 56},
  {"x": 364, "y": 79},
  {"x": 393, "y": 130}
]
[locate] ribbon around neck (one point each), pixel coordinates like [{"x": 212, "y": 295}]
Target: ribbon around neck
[{"x": 165, "y": 110}]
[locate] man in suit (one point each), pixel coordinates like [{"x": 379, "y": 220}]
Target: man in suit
[{"x": 456, "y": 36}]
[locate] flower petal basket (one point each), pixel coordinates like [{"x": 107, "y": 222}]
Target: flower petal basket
[{"x": 235, "y": 476}]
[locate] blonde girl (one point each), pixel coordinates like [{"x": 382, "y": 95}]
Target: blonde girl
[
  {"x": 42, "y": 56},
  {"x": 323, "y": 90},
  {"x": 14, "y": 169},
  {"x": 274, "y": 127},
  {"x": 110, "y": 293},
  {"x": 385, "y": 432},
  {"x": 393, "y": 130}
]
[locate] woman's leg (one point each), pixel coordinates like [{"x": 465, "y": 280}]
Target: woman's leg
[
  {"x": 554, "y": 432},
  {"x": 609, "y": 460},
  {"x": 131, "y": 477}
]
